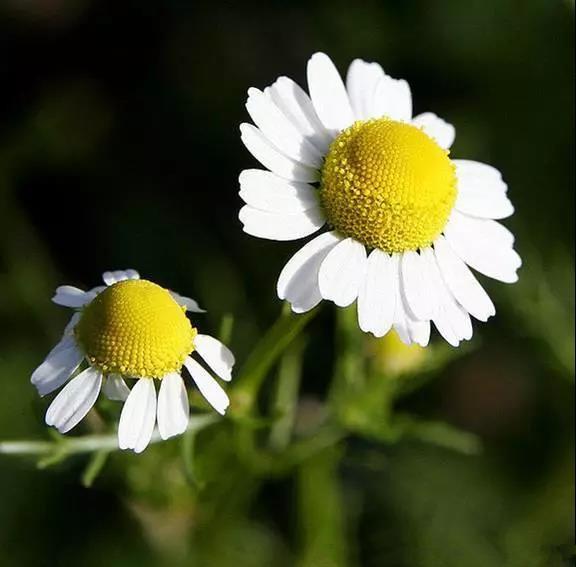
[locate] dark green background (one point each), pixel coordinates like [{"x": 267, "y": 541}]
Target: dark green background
[{"x": 119, "y": 147}]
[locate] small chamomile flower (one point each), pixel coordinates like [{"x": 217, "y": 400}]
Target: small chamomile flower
[
  {"x": 131, "y": 329},
  {"x": 406, "y": 221}
]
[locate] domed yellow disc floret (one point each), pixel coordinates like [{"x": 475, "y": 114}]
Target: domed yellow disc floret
[
  {"x": 387, "y": 185},
  {"x": 136, "y": 328}
]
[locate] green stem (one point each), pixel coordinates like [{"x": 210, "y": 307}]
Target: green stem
[
  {"x": 267, "y": 463},
  {"x": 349, "y": 378},
  {"x": 188, "y": 443},
  {"x": 226, "y": 326},
  {"x": 322, "y": 511},
  {"x": 94, "y": 467},
  {"x": 286, "y": 396},
  {"x": 264, "y": 356},
  {"x": 25, "y": 447},
  {"x": 65, "y": 446}
]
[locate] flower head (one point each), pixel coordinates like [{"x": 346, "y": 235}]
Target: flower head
[
  {"x": 406, "y": 222},
  {"x": 131, "y": 329}
]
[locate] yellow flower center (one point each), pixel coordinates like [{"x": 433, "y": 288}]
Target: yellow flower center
[
  {"x": 388, "y": 185},
  {"x": 136, "y": 328}
]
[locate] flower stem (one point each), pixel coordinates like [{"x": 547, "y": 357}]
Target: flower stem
[
  {"x": 266, "y": 353},
  {"x": 62, "y": 446},
  {"x": 286, "y": 395}
]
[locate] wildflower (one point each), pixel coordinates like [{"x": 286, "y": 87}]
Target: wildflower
[
  {"x": 131, "y": 329},
  {"x": 405, "y": 221}
]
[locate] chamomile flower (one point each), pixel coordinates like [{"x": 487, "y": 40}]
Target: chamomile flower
[
  {"x": 131, "y": 329},
  {"x": 406, "y": 222}
]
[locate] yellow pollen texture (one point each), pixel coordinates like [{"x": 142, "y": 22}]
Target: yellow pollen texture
[
  {"x": 135, "y": 328},
  {"x": 387, "y": 185}
]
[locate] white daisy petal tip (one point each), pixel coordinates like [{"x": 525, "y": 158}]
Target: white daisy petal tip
[
  {"x": 328, "y": 93},
  {"x": 392, "y": 98},
  {"x": 298, "y": 281},
  {"x": 272, "y": 158},
  {"x": 376, "y": 297},
  {"x": 187, "y": 302},
  {"x": 417, "y": 332},
  {"x": 482, "y": 192},
  {"x": 208, "y": 386},
  {"x": 173, "y": 408},
  {"x": 62, "y": 361},
  {"x": 437, "y": 128},
  {"x": 74, "y": 401},
  {"x": 279, "y": 130},
  {"x": 115, "y": 388},
  {"x": 115, "y": 276},
  {"x": 138, "y": 416},
  {"x": 216, "y": 355},
  {"x": 461, "y": 282},
  {"x": 484, "y": 245},
  {"x": 70, "y": 296},
  {"x": 297, "y": 107}
]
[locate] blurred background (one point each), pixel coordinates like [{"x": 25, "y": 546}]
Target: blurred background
[{"x": 120, "y": 148}]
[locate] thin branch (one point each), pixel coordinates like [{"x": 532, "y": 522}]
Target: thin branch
[{"x": 87, "y": 444}]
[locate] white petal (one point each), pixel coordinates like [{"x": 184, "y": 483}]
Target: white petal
[
  {"x": 451, "y": 320},
  {"x": 392, "y": 98},
  {"x": 438, "y": 129},
  {"x": 138, "y": 416},
  {"x": 173, "y": 406},
  {"x": 328, "y": 93},
  {"x": 490, "y": 231},
  {"x": 376, "y": 298},
  {"x": 115, "y": 388},
  {"x": 361, "y": 82},
  {"x": 279, "y": 131},
  {"x": 461, "y": 282},
  {"x": 70, "y": 296},
  {"x": 481, "y": 191},
  {"x": 69, "y": 329},
  {"x": 95, "y": 291},
  {"x": 479, "y": 170},
  {"x": 116, "y": 276},
  {"x": 59, "y": 365},
  {"x": 216, "y": 355},
  {"x": 416, "y": 287},
  {"x": 419, "y": 331},
  {"x": 266, "y": 191},
  {"x": 75, "y": 400},
  {"x": 298, "y": 281},
  {"x": 409, "y": 329},
  {"x": 273, "y": 159},
  {"x": 281, "y": 226},
  {"x": 342, "y": 272},
  {"x": 187, "y": 302},
  {"x": 298, "y": 108},
  {"x": 208, "y": 386},
  {"x": 484, "y": 245}
]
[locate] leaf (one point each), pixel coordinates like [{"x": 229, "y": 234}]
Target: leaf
[{"x": 94, "y": 467}]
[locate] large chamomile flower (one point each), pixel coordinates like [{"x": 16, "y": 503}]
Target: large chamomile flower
[
  {"x": 131, "y": 329},
  {"x": 405, "y": 221}
]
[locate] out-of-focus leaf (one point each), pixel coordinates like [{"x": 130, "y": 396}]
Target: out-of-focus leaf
[
  {"x": 94, "y": 467},
  {"x": 544, "y": 300}
]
